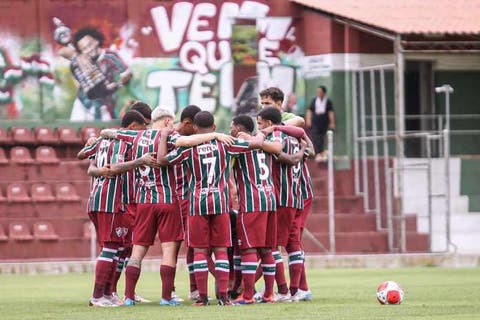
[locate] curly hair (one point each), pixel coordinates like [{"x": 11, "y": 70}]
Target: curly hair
[{"x": 88, "y": 31}]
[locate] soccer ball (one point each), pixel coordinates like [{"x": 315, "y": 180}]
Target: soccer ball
[{"x": 389, "y": 292}]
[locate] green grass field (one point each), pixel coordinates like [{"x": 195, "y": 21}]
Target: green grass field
[{"x": 430, "y": 293}]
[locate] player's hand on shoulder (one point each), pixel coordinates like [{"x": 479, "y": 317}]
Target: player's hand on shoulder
[
  {"x": 225, "y": 138},
  {"x": 244, "y": 136},
  {"x": 148, "y": 159}
]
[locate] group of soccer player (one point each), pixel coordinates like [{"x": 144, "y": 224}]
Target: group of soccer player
[{"x": 173, "y": 181}]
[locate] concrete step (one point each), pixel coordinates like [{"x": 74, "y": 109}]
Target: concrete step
[{"x": 345, "y": 204}]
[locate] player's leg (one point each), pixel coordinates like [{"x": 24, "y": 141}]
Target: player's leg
[
  {"x": 266, "y": 257},
  {"x": 285, "y": 217},
  {"x": 198, "y": 238},
  {"x": 295, "y": 254},
  {"x": 168, "y": 270},
  {"x": 220, "y": 239},
  {"x": 132, "y": 272}
]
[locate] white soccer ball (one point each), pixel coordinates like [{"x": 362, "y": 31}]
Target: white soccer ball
[{"x": 390, "y": 292}]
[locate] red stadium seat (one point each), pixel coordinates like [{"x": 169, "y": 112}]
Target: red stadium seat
[
  {"x": 17, "y": 192},
  {"x": 20, "y": 155},
  {"x": 5, "y": 138},
  {"x": 44, "y": 231},
  {"x": 3, "y": 157},
  {"x": 66, "y": 192},
  {"x": 87, "y": 132},
  {"x": 23, "y": 135},
  {"x": 46, "y": 135},
  {"x": 3, "y": 235},
  {"x": 19, "y": 231},
  {"x": 68, "y": 135},
  {"x": 46, "y": 155},
  {"x": 42, "y": 192}
]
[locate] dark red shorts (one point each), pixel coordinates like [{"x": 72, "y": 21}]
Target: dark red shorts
[
  {"x": 209, "y": 231},
  {"x": 130, "y": 212},
  {"x": 285, "y": 217},
  {"x": 109, "y": 227},
  {"x": 307, "y": 203},
  {"x": 162, "y": 219},
  {"x": 294, "y": 232},
  {"x": 257, "y": 229}
]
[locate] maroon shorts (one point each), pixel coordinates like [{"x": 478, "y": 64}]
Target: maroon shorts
[
  {"x": 109, "y": 227},
  {"x": 130, "y": 212},
  {"x": 307, "y": 203},
  {"x": 209, "y": 231},
  {"x": 285, "y": 217},
  {"x": 162, "y": 219},
  {"x": 184, "y": 209},
  {"x": 256, "y": 229}
]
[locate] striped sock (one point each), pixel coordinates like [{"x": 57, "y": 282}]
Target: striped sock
[
  {"x": 295, "y": 266},
  {"x": 237, "y": 272},
  {"x": 280, "y": 273},
  {"x": 249, "y": 267},
  {"x": 268, "y": 270},
  {"x": 222, "y": 270},
  {"x": 200, "y": 267},
  {"x": 191, "y": 272},
  {"x": 103, "y": 270},
  {"x": 303, "y": 279}
]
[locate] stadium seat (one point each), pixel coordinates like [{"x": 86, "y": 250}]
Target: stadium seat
[
  {"x": 44, "y": 231},
  {"x": 5, "y": 138},
  {"x": 42, "y": 192},
  {"x": 17, "y": 192},
  {"x": 19, "y": 231},
  {"x": 66, "y": 192},
  {"x": 3, "y": 157},
  {"x": 88, "y": 131},
  {"x": 68, "y": 135},
  {"x": 20, "y": 155},
  {"x": 3, "y": 235},
  {"x": 46, "y": 135},
  {"x": 46, "y": 155},
  {"x": 23, "y": 136}
]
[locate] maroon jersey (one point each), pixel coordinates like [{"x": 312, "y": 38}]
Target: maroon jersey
[
  {"x": 154, "y": 185},
  {"x": 209, "y": 166}
]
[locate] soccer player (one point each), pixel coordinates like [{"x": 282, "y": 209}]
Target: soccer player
[
  {"x": 157, "y": 209},
  {"x": 273, "y": 97},
  {"x": 256, "y": 219},
  {"x": 208, "y": 225},
  {"x": 105, "y": 207},
  {"x": 286, "y": 179}
]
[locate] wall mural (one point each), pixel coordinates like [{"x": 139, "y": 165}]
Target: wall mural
[{"x": 172, "y": 55}]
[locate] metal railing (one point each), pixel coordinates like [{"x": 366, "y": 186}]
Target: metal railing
[{"x": 390, "y": 215}]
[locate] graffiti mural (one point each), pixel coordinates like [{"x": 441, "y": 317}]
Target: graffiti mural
[{"x": 170, "y": 53}]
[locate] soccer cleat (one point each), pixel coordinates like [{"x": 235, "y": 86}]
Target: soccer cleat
[
  {"x": 176, "y": 297},
  {"x": 279, "y": 297},
  {"x": 101, "y": 302},
  {"x": 201, "y": 303},
  {"x": 128, "y": 302},
  {"x": 241, "y": 301},
  {"x": 115, "y": 299},
  {"x": 194, "y": 295},
  {"x": 140, "y": 299},
  {"x": 224, "y": 302},
  {"x": 302, "y": 295},
  {"x": 171, "y": 302},
  {"x": 269, "y": 299}
]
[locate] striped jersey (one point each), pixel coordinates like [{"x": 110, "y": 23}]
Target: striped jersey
[
  {"x": 209, "y": 166},
  {"x": 128, "y": 180},
  {"x": 306, "y": 185},
  {"x": 106, "y": 193},
  {"x": 254, "y": 183},
  {"x": 286, "y": 178},
  {"x": 154, "y": 185}
]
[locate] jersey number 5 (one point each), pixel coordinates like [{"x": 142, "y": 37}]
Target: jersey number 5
[{"x": 263, "y": 166}]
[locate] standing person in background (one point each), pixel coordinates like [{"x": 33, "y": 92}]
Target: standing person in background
[{"x": 319, "y": 119}]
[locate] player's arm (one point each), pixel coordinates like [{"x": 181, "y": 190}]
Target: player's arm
[
  {"x": 292, "y": 159},
  {"x": 295, "y": 121},
  {"x": 196, "y": 139},
  {"x": 147, "y": 159},
  {"x": 175, "y": 156},
  {"x": 125, "y": 135},
  {"x": 94, "y": 171},
  {"x": 89, "y": 149}
]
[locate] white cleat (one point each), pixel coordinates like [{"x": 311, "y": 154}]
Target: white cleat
[
  {"x": 279, "y": 297},
  {"x": 140, "y": 299},
  {"x": 101, "y": 302},
  {"x": 194, "y": 295},
  {"x": 302, "y": 295},
  {"x": 176, "y": 297},
  {"x": 115, "y": 299}
]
